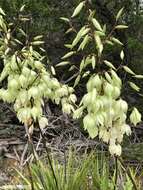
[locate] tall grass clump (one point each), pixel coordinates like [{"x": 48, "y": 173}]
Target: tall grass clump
[{"x": 88, "y": 173}]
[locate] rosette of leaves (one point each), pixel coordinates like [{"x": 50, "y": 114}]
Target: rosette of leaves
[
  {"x": 103, "y": 110},
  {"x": 27, "y": 79}
]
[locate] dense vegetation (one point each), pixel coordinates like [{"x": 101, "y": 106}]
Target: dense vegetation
[{"x": 86, "y": 60}]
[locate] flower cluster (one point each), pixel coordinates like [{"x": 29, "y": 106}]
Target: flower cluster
[
  {"x": 106, "y": 111},
  {"x": 28, "y": 82},
  {"x": 27, "y": 79}
]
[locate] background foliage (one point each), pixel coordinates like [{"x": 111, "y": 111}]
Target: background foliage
[{"x": 45, "y": 18}]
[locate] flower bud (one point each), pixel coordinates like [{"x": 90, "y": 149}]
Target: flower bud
[
  {"x": 33, "y": 74},
  {"x": 108, "y": 89},
  {"x": 115, "y": 149},
  {"x": 23, "y": 81},
  {"x": 121, "y": 106},
  {"x": 23, "y": 96},
  {"x": 108, "y": 77},
  {"x": 24, "y": 114},
  {"x": 57, "y": 100},
  {"x": 89, "y": 85},
  {"x": 42, "y": 87},
  {"x": 78, "y": 113},
  {"x": 135, "y": 116},
  {"x": 26, "y": 71},
  {"x": 116, "y": 92},
  {"x": 88, "y": 121},
  {"x": 99, "y": 119},
  {"x": 14, "y": 65},
  {"x": 89, "y": 125},
  {"x": 38, "y": 65},
  {"x": 67, "y": 108},
  {"x": 63, "y": 91},
  {"x": 70, "y": 89},
  {"x": 43, "y": 122},
  {"x": 96, "y": 106},
  {"x": 55, "y": 84},
  {"x": 36, "y": 112},
  {"x": 31, "y": 129},
  {"x": 127, "y": 129},
  {"x": 48, "y": 93},
  {"x": 33, "y": 92},
  {"x": 46, "y": 78},
  {"x": 86, "y": 99},
  {"x": 13, "y": 84},
  {"x": 113, "y": 132},
  {"x": 97, "y": 82},
  {"x": 93, "y": 96},
  {"x": 106, "y": 137},
  {"x": 17, "y": 105},
  {"x": 73, "y": 98},
  {"x": 117, "y": 81},
  {"x": 8, "y": 96}
]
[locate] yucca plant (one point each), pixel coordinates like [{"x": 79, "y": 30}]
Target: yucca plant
[
  {"x": 87, "y": 172},
  {"x": 101, "y": 176},
  {"x": 102, "y": 108},
  {"x": 127, "y": 178},
  {"x": 70, "y": 176},
  {"x": 27, "y": 80}
]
